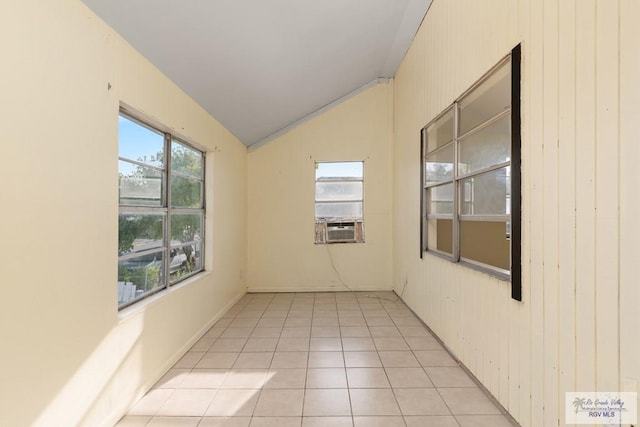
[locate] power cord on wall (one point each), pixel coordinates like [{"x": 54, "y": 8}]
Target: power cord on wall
[
  {"x": 404, "y": 286},
  {"x": 335, "y": 269},
  {"x": 333, "y": 265}
]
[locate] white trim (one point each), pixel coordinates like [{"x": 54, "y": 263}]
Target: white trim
[
  {"x": 316, "y": 113},
  {"x": 143, "y": 304},
  {"x": 185, "y": 348},
  {"x": 320, "y": 288}
]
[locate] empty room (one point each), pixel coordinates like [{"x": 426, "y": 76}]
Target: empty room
[{"x": 347, "y": 213}]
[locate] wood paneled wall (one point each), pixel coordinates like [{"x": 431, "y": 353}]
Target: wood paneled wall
[{"x": 576, "y": 328}]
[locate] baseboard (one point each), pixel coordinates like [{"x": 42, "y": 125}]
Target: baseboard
[
  {"x": 475, "y": 379},
  {"x": 182, "y": 350},
  {"x": 317, "y": 289}
]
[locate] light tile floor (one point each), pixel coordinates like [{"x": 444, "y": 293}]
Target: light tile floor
[{"x": 346, "y": 359}]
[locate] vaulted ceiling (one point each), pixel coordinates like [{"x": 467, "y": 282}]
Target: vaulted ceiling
[{"x": 259, "y": 66}]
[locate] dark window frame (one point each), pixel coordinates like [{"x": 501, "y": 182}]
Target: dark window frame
[{"x": 515, "y": 272}]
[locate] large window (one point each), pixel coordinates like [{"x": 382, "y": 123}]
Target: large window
[
  {"x": 470, "y": 165},
  {"x": 339, "y": 202},
  {"x": 161, "y": 220}
]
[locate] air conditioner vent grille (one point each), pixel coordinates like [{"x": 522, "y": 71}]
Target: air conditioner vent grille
[{"x": 341, "y": 231}]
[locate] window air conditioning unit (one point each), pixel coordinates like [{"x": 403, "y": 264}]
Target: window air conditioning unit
[{"x": 343, "y": 231}]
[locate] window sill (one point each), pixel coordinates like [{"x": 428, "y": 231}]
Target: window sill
[
  {"x": 144, "y": 304},
  {"x": 338, "y": 243},
  {"x": 503, "y": 277}
]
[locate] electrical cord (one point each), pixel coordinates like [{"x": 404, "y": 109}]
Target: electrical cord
[
  {"x": 333, "y": 265},
  {"x": 335, "y": 269},
  {"x": 404, "y": 286}
]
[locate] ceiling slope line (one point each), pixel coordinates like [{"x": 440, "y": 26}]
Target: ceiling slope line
[
  {"x": 412, "y": 19},
  {"x": 318, "y": 112}
]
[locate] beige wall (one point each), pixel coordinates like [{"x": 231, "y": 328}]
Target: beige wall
[
  {"x": 68, "y": 357},
  {"x": 575, "y": 329},
  {"x": 628, "y": 179},
  {"x": 282, "y": 254}
]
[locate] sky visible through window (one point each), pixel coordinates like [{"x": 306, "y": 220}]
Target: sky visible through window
[
  {"x": 138, "y": 143},
  {"x": 339, "y": 170}
]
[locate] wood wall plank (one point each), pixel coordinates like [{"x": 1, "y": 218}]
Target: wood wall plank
[
  {"x": 607, "y": 190},
  {"x": 586, "y": 193},
  {"x": 512, "y": 314},
  {"x": 567, "y": 202},
  {"x": 551, "y": 203},
  {"x": 523, "y": 357},
  {"x": 629, "y": 201},
  {"x": 535, "y": 161},
  {"x": 503, "y": 355}
]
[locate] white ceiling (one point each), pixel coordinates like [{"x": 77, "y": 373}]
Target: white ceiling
[{"x": 258, "y": 66}]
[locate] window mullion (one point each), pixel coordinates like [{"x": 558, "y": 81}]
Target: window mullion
[
  {"x": 138, "y": 163},
  {"x": 485, "y": 170},
  {"x": 338, "y": 180},
  {"x": 486, "y": 123},
  {"x": 167, "y": 228},
  {"x": 485, "y": 217},
  {"x": 455, "y": 247},
  {"x": 438, "y": 149},
  {"x": 439, "y": 183},
  {"x": 129, "y": 209},
  {"x": 202, "y": 193},
  {"x": 132, "y": 255},
  {"x": 323, "y": 202},
  {"x": 175, "y": 210}
]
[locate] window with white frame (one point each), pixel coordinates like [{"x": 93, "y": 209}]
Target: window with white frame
[
  {"x": 161, "y": 214},
  {"x": 339, "y": 202},
  {"x": 470, "y": 171}
]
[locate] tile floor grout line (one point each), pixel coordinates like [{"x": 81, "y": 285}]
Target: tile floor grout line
[
  {"x": 344, "y": 361},
  {"x": 385, "y": 372},
  {"x": 262, "y": 304},
  {"x": 306, "y": 373},
  {"x": 479, "y": 385}
]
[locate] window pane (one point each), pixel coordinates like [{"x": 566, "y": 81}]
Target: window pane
[
  {"x": 486, "y": 242},
  {"x": 492, "y": 97},
  {"x": 440, "y": 132},
  {"x": 327, "y": 191},
  {"x": 140, "y": 232},
  {"x": 486, "y": 194},
  {"x": 185, "y": 259},
  {"x": 186, "y": 192},
  {"x": 186, "y": 227},
  {"x": 186, "y": 241},
  {"x": 440, "y": 199},
  {"x": 186, "y": 160},
  {"x": 339, "y": 210},
  {"x": 490, "y": 146},
  {"x": 139, "y": 276},
  {"x": 337, "y": 170},
  {"x": 440, "y": 165},
  {"x": 440, "y": 235},
  {"x": 140, "y": 143},
  {"x": 139, "y": 185}
]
